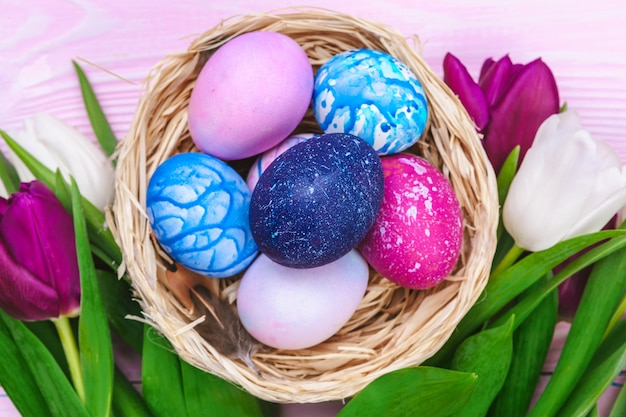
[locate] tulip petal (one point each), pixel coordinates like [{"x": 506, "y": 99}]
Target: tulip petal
[
  {"x": 607, "y": 198},
  {"x": 57, "y": 145},
  {"x": 27, "y": 138},
  {"x": 608, "y": 157},
  {"x": 22, "y": 295},
  {"x": 608, "y": 194},
  {"x": 486, "y": 67},
  {"x": 550, "y": 191},
  {"x": 40, "y": 237},
  {"x": 456, "y": 76},
  {"x": 602, "y": 213},
  {"x": 85, "y": 161},
  {"x": 530, "y": 99},
  {"x": 4, "y": 204},
  {"x": 494, "y": 78}
]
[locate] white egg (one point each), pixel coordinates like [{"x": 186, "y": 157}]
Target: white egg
[
  {"x": 289, "y": 308},
  {"x": 266, "y": 158}
]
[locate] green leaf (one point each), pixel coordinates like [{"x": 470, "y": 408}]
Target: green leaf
[
  {"x": 531, "y": 343},
  {"x": 503, "y": 248},
  {"x": 488, "y": 355},
  {"x": 619, "y": 406},
  {"x": 127, "y": 402},
  {"x": 39, "y": 170},
  {"x": 418, "y": 391},
  {"x": 94, "y": 338},
  {"x": 117, "y": 297},
  {"x": 503, "y": 289},
  {"x": 47, "y": 333},
  {"x": 15, "y": 376},
  {"x": 507, "y": 173},
  {"x": 603, "y": 292},
  {"x": 538, "y": 293},
  {"x": 62, "y": 191},
  {"x": 161, "y": 376},
  {"x": 504, "y": 180},
  {"x": 99, "y": 234},
  {"x": 8, "y": 175},
  {"x": 28, "y": 362},
  {"x": 99, "y": 123},
  {"x": 594, "y": 412},
  {"x": 605, "y": 366},
  {"x": 207, "y": 395}
]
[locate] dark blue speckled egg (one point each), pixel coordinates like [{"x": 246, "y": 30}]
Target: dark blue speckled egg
[
  {"x": 372, "y": 95},
  {"x": 317, "y": 200},
  {"x": 198, "y": 207}
]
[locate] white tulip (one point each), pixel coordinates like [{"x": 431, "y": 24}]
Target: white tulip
[
  {"x": 569, "y": 184},
  {"x": 57, "y": 145},
  {"x": 621, "y": 216}
]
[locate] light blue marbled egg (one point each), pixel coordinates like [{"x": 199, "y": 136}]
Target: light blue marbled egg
[
  {"x": 198, "y": 208},
  {"x": 372, "y": 95}
]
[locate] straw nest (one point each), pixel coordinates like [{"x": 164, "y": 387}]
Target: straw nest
[{"x": 393, "y": 327}]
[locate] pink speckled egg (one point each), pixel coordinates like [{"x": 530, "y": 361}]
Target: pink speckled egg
[
  {"x": 250, "y": 95},
  {"x": 416, "y": 238},
  {"x": 298, "y": 308},
  {"x": 267, "y": 157}
]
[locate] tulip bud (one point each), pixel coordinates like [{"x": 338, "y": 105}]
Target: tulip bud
[
  {"x": 59, "y": 146},
  {"x": 508, "y": 103},
  {"x": 568, "y": 185},
  {"x": 39, "y": 277}
]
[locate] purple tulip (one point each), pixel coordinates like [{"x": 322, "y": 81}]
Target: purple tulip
[
  {"x": 508, "y": 103},
  {"x": 39, "y": 276}
]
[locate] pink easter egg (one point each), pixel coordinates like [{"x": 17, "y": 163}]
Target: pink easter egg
[
  {"x": 266, "y": 158},
  {"x": 416, "y": 238},
  {"x": 290, "y": 308},
  {"x": 250, "y": 95}
]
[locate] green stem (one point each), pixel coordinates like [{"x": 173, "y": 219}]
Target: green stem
[
  {"x": 71, "y": 353},
  {"x": 509, "y": 259}
]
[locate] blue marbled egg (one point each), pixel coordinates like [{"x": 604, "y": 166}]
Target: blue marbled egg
[
  {"x": 198, "y": 207},
  {"x": 317, "y": 200},
  {"x": 372, "y": 95}
]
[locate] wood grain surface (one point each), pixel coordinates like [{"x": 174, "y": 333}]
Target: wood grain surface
[{"x": 117, "y": 42}]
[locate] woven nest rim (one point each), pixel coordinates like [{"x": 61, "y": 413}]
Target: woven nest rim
[{"x": 393, "y": 327}]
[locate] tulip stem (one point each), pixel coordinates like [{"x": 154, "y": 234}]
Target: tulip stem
[
  {"x": 509, "y": 259},
  {"x": 68, "y": 341}
]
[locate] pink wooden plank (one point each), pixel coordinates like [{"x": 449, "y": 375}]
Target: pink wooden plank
[
  {"x": 39, "y": 40},
  {"x": 583, "y": 42}
]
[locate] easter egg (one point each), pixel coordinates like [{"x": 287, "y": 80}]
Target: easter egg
[
  {"x": 265, "y": 159},
  {"x": 372, "y": 95},
  {"x": 417, "y": 236},
  {"x": 290, "y": 308},
  {"x": 317, "y": 200},
  {"x": 250, "y": 95},
  {"x": 198, "y": 209}
]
